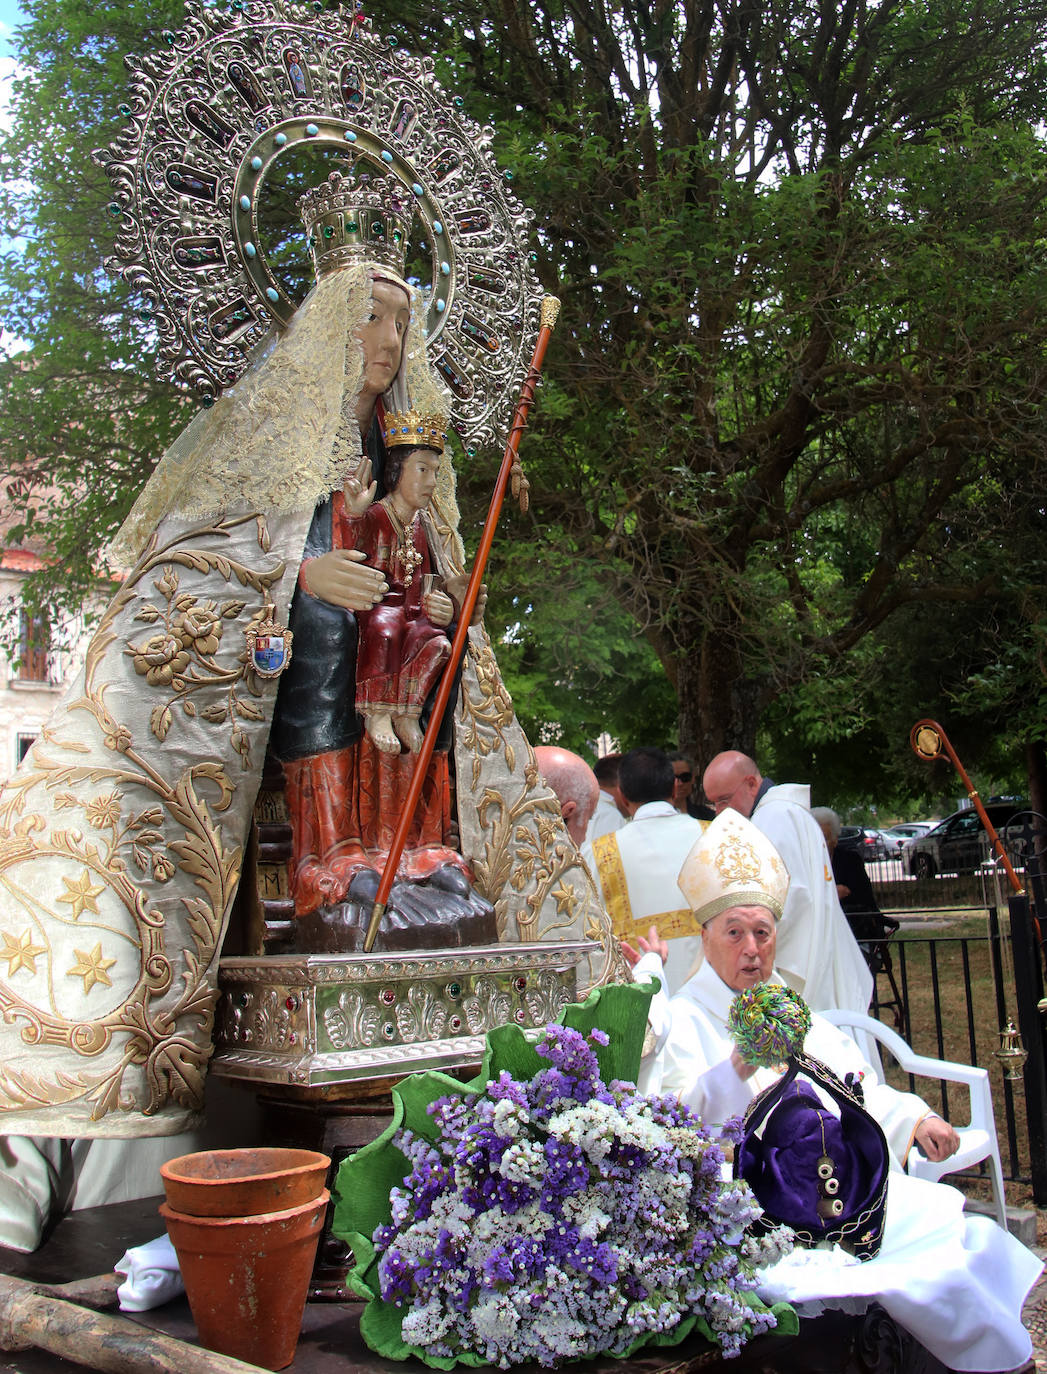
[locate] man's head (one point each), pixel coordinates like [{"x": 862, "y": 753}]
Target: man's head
[
  {"x": 574, "y": 783},
  {"x": 739, "y": 944},
  {"x": 736, "y": 884},
  {"x": 645, "y": 775},
  {"x": 683, "y": 770},
  {"x": 732, "y": 780},
  {"x": 830, "y": 824},
  {"x": 606, "y": 770}
]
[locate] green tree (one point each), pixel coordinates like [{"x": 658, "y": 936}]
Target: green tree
[
  {"x": 800, "y": 361},
  {"x": 82, "y": 419},
  {"x": 800, "y": 253}
]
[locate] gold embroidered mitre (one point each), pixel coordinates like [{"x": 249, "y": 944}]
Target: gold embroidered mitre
[{"x": 733, "y": 864}]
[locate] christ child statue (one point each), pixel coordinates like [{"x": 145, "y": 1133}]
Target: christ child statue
[{"x": 403, "y": 646}]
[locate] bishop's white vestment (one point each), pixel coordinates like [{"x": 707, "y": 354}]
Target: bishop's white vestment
[
  {"x": 636, "y": 869},
  {"x": 956, "y": 1282},
  {"x": 817, "y": 954}
]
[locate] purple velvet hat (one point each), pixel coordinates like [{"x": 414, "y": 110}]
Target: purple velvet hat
[{"x": 822, "y": 1172}]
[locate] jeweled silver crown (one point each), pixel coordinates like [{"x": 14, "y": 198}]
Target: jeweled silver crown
[{"x": 352, "y": 219}]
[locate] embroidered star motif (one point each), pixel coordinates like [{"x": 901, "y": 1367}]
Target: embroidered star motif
[
  {"x": 92, "y": 968},
  {"x": 564, "y": 898},
  {"x": 80, "y": 894},
  {"x": 21, "y": 953}
]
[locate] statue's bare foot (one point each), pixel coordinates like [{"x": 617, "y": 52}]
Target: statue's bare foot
[
  {"x": 383, "y": 737},
  {"x": 409, "y": 731}
]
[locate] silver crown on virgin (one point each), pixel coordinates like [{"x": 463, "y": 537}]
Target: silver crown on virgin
[{"x": 350, "y": 219}]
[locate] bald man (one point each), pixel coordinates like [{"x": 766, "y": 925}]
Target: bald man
[
  {"x": 574, "y": 783},
  {"x": 817, "y": 953}
]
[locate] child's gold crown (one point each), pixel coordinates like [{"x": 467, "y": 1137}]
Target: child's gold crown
[{"x": 411, "y": 430}]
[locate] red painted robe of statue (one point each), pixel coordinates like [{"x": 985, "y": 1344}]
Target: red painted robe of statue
[
  {"x": 345, "y": 804},
  {"x": 401, "y": 651}
]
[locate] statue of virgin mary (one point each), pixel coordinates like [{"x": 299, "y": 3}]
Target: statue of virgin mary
[{"x": 124, "y": 830}]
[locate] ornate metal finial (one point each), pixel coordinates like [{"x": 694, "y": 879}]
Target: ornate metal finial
[
  {"x": 1012, "y": 1054},
  {"x": 212, "y": 119},
  {"x": 412, "y": 430},
  {"x": 357, "y": 219}
]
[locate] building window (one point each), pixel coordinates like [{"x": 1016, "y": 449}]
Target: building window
[
  {"x": 34, "y": 643},
  {"x": 22, "y": 743}
]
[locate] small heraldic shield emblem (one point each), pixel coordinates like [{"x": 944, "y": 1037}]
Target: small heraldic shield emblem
[{"x": 269, "y": 644}]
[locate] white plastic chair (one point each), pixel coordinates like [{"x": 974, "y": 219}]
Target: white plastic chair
[{"x": 977, "y": 1141}]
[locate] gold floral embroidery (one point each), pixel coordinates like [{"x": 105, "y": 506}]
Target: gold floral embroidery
[{"x": 141, "y": 822}]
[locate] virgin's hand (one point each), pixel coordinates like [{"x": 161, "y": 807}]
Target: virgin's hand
[
  {"x": 342, "y": 578},
  {"x": 439, "y": 607},
  {"x": 360, "y": 491}
]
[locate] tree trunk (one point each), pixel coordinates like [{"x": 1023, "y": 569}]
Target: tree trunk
[{"x": 718, "y": 702}]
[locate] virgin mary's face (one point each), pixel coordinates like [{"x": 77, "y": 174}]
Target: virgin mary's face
[{"x": 382, "y": 336}]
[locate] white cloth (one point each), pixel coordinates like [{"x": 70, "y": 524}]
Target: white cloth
[
  {"x": 605, "y": 818},
  {"x": 817, "y": 954},
  {"x": 152, "y": 1276},
  {"x": 956, "y": 1282},
  {"x": 636, "y": 869}
]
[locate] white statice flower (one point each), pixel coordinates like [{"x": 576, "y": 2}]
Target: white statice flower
[
  {"x": 688, "y": 1143},
  {"x": 595, "y": 1126},
  {"x": 585, "y": 1210},
  {"x": 489, "y": 1226},
  {"x": 763, "y": 1251},
  {"x": 426, "y": 1324},
  {"x": 509, "y": 1118},
  {"x": 495, "y": 1318},
  {"x": 523, "y": 1162}
]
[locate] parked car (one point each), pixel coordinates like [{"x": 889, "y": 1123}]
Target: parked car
[
  {"x": 959, "y": 844},
  {"x": 869, "y": 843},
  {"x": 896, "y": 837}
]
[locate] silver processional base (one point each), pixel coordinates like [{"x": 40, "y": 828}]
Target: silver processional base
[{"x": 322, "y": 1019}]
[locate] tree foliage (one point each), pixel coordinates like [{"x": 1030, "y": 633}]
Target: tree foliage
[
  {"x": 798, "y": 382},
  {"x": 794, "y": 398}
]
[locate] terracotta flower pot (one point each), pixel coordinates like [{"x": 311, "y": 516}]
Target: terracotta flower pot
[
  {"x": 246, "y": 1278},
  {"x": 244, "y": 1182}
]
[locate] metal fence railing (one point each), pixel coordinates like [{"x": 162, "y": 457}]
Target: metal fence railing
[{"x": 956, "y": 993}]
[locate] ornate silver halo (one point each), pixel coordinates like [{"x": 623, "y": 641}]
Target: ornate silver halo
[{"x": 243, "y": 84}]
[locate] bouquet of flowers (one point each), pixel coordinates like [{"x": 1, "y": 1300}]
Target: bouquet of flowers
[{"x": 553, "y": 1215}]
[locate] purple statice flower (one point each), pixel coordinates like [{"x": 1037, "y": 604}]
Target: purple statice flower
[{"x": 563, "y": 1217}]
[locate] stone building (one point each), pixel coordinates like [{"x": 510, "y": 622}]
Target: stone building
[{"x": 39, "y": 660}]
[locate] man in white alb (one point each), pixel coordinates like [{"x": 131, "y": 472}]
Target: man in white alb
[
  {"x": 956, "y": 1282},
  {"x": 636, "y": 866}
]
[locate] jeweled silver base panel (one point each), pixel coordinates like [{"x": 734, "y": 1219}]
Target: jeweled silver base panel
[{"x": 310, "y": 1020}]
